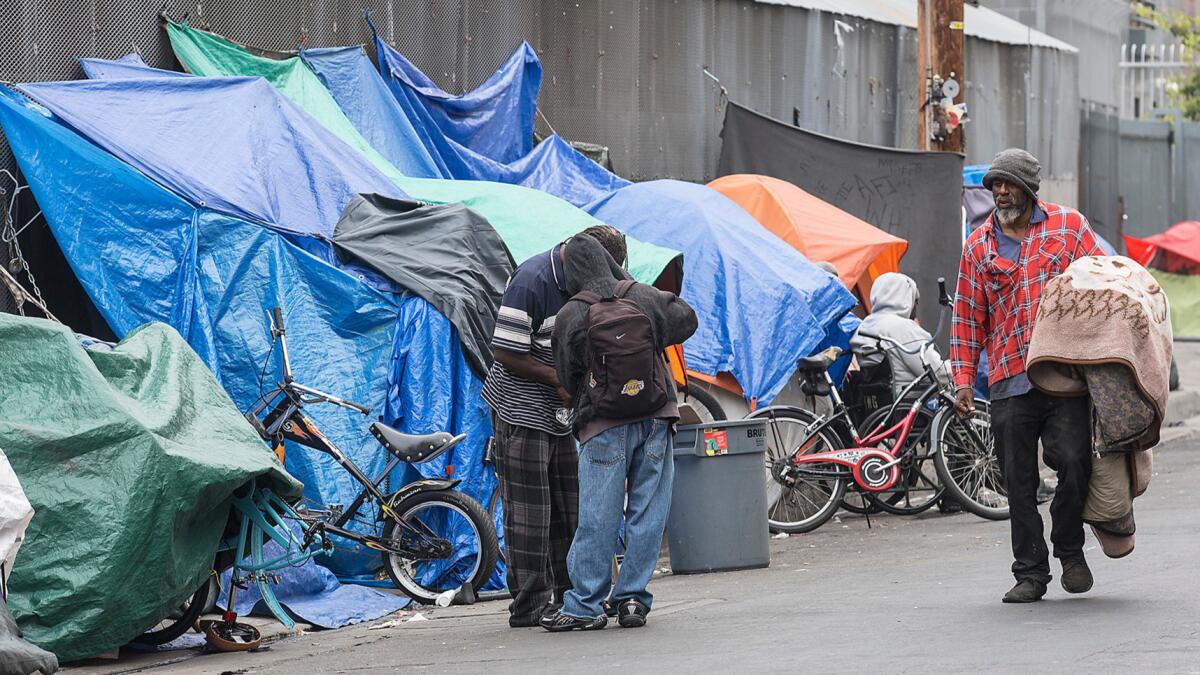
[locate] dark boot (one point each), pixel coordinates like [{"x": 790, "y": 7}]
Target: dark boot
[
  {"x": 1026, "y": 590},
  {"x": 1076, "y": 577}
]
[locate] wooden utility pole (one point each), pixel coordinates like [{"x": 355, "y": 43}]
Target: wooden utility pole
[{"x": 940, "y": 55}]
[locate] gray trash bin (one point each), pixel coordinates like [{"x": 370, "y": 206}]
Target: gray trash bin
[{"x": 718, "y": 518}]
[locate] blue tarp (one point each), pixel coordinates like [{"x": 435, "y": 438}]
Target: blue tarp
[
  {"x": 382, "y": 107},
  {"x": 144, "y": 254},
  {"x": 973, "y": 174},
  {"x": 128, "y": 66},
  {"x": 233, "y": 144},
  {"x": 132, "y": 119},
  {"x": 495, "y": 120},
  {"x": 752, "y": 347},
  {"x": 763, "y": 304}
]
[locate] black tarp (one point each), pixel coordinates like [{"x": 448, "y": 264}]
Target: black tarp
[
  {"x": 447, "y": 254},
  {"x": 914, "y": 195}
]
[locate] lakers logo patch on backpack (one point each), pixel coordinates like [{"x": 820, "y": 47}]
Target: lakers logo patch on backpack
[{"x": 627, "y": 376}]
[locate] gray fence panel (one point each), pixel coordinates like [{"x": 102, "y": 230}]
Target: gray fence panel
[
  {"x": 1145, "y": 177},
  {"x": 1187, "y": 172},
  {"x": 1099, "y": 172}
]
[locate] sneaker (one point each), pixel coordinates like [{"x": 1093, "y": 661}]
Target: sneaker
[
  {"x": 610, "y": 610},
  {"x": 558, "y": 622},
  {"x": 1076, "y": 577},
  {"x": 1026, "y": 590},
  {"x": 632, "y": 613},
  {"x": 536, "y": 619}
]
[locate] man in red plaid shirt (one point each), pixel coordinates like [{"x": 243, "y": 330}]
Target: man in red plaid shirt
[{"x": 1005, "y": 265}]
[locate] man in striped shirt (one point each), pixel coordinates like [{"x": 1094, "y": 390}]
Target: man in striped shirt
[
  {"x": 532, "y": 417},
  {"x": 1005, "y": 265}
]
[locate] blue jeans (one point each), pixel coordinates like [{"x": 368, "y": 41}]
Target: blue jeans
[{"x": 639, "y": 453}]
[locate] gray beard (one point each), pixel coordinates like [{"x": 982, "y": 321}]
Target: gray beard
[{"x": 1008, "y": 216}]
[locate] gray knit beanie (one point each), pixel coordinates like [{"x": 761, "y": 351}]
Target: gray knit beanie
[{"x": 1017, "y": 167}]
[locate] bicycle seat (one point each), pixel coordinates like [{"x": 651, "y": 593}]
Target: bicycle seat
[
  {"x": 410, "y": 448},
  {"x": 819, "y": 363}
]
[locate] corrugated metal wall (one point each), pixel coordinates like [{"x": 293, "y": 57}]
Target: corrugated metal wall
[{"x": 623, "y": 73}]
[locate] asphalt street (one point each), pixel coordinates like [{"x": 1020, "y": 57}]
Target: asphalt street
[{"x": 905, "y": 595}]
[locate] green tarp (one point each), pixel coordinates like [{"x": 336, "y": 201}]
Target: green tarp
[
  {"x": 1183, "y": 293},
  {"x": 529, "y": 221},
  {"x": 129, "y": 458}
]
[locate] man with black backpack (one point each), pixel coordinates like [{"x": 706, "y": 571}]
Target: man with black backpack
[{"x": 608, "y": 343}]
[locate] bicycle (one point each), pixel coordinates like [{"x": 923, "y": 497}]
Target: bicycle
[
  {"x": 810, "y": 464},
  {"x": 403, "y": 527}
]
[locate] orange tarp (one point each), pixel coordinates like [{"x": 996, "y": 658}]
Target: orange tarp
[{"x": 818, "y": 229}]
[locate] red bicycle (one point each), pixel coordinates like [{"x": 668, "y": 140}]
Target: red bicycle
[{"x": 915, "y": 449}]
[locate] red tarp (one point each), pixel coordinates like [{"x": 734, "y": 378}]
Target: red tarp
[{"x": 1177, "y": 250}]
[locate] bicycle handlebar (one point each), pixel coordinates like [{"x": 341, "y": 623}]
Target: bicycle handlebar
[{"x": 277, "y": 315}]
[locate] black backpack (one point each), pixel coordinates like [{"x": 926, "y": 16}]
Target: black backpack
[{"x": 626, "y": 374}]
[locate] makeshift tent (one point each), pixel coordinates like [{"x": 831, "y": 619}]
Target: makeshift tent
[
  {"x": 1183, "y": 294},
  {"x": 818, "y": 229},
  {"x": 1173, "y": 257},
  {"x": 214, "y": 278},
  {"x": 1177, "y": 250},
  {"x": 902, "y": 192},
  {"x": 572, "y": 180},
  {"x": 763, "y": 304},
  {"x": 529, "y": 221},
  {"x": 447, "y": 254},
  {"x": 130, "y": 469}
]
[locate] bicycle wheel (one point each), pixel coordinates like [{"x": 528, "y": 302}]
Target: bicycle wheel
[
  {"x": 468, "y": 557},
  {"x": 179, "y": 621},
  {"x": 704, "y": 403},
  {"x": 967, "y": 464},
  {"x": 803, "y": 500},
  {"x": 919, "y": 487}
]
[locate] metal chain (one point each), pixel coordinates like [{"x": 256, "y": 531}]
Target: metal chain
[{"x": 9, "y": 234}]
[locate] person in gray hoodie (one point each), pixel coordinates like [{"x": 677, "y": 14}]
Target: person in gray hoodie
[
  {"x": 615, "y": 455},
  {"x": 894, "y": 300}
]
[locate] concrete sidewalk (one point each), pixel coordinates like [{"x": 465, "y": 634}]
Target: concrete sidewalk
[{"x": 905, "y": 595}]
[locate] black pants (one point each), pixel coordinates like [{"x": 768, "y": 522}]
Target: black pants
[
  {"x": 1064, "y": 427},
  {"x": 539, "y": 482}
]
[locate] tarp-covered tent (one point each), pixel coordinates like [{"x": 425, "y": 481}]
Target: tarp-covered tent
[
  {"x": 902, "y": 192},
  {"x": 144, "y": 254},
  {"x": 573, "y": 177},
  {"x": 530, "y": 221},
  {"x": 130, "y": 457},
  {"x": 1177, "y": 250},
  {"x": 764, "y": 305},
  {"x": 816, "y": 228},
  {"x": 1173, "y": 257}
]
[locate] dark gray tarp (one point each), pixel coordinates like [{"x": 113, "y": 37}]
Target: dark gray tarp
[
  {"x": 446, "y": 253},
  {"x": 17, "y": 656},
  {"x": 914, "y": 195}
]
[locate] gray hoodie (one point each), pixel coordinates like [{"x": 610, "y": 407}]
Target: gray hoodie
[
  {"x": 589, "y": 267},
  {"x": 893, "y": 304}
]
